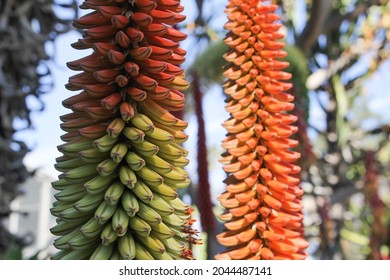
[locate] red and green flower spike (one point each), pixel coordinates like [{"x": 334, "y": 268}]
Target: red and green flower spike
[{"x": 123, "y": 161}]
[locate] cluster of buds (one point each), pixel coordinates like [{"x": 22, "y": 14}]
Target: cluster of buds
[
  {"x": 123, "y": 159},
  {"x": 263, "y": 217}
]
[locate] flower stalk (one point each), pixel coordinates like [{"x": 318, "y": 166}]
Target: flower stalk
[{"x": 204, "y": 196}]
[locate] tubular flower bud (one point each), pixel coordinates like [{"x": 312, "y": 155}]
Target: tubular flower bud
[
  {"x": 262, "y": 201},
  {"x": 122, "y": 158}
]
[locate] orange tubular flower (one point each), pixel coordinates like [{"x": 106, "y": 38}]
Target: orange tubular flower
[{"x": 263, "y": 218}]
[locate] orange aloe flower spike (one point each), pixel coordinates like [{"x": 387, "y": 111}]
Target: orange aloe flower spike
[{"x": 263, "y": 204}]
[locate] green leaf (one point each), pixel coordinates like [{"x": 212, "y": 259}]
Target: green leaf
[
  {"x": 13, "y": 252},
  {"x": 355, "y": 237},
  {"x": 299, "y": 70},
  {"x": 209, "y": 64}
]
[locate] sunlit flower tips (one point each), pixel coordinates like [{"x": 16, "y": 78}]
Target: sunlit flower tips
[
  {"x": 262, "y": 197},
  {"x": 122, "y": 158}
]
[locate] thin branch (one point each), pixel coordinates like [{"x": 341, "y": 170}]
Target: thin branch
[
  {"x": 334, "y": 22},
  {"x": 349, "y": 55},
  {"x": 4, "y": 16},
  {"x": 315, "y": 25}
]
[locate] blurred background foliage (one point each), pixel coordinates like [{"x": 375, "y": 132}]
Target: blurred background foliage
[
  {"x": 27, "y": 27},
  {"x": 339, "y": 57}
]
